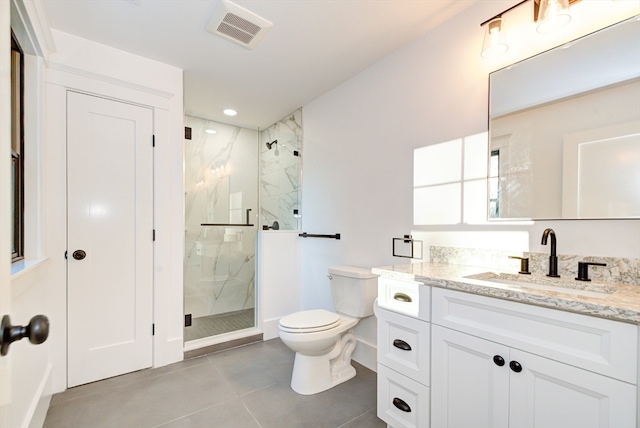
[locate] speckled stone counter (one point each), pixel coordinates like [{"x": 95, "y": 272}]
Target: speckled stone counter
[{"x": 622, "y": 304}]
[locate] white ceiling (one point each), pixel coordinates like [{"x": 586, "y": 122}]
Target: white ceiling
[{"x": 314, "y": 45}]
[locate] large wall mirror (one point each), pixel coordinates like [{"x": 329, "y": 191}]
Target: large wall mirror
[{"x": 564, "y": 131}]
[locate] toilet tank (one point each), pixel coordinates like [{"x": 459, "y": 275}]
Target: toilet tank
[{"x": 354, "y": 290}]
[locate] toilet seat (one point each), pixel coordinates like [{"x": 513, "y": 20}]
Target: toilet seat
[{"x": 309, "y": 321}]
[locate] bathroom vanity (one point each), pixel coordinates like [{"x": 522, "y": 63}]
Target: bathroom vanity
[{"x": 461, "y": 346}]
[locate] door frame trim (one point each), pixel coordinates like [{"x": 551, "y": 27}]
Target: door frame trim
[{"x": 168, "y": 221}]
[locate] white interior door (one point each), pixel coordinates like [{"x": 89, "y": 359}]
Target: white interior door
[
  {"x": 6, "y": 395},
  {"x": 5, "y": 208},
  {"x": 110, "y": 220}
]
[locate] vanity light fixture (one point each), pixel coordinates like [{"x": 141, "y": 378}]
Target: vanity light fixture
[
  {"x": 495, "y": 41},
  {"x": 550, "y": 15},
  {"x": 215, "y": 169}
]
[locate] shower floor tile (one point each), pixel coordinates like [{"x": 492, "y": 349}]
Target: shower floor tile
[{"x": 214, "y": 325}]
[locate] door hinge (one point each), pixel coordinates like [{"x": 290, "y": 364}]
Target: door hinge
[
  {"x": 153, "y": 329},
  {"x": 154, "y": 234},
  {"x": 153, "y": 140}
]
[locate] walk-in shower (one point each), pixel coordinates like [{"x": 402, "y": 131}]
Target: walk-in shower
[
  {"x": 221, "y": 206},
  {"x": 235, "y": 185}
]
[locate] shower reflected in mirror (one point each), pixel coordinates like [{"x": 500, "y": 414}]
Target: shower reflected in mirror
[{"x": 271, "y": 144}]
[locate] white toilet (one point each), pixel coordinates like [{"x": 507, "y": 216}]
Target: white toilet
[{"x": 323, "y": 340}]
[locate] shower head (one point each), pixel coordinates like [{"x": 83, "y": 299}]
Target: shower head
[{"x": 269, "y": 144}]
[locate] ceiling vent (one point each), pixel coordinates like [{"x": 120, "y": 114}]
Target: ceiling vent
[{"x": 237, "y": 24}]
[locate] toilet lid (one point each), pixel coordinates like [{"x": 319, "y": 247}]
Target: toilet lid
[{"x": 310, "y": 321}]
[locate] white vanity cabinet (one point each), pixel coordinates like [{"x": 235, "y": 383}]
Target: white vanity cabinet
[
  {"x": 404, "y": 345},
  {"x": 500, "y": 363}
]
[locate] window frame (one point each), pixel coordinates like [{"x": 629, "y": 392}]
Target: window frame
[
  {"x": 494, "y": 185},
  {"x": 17, "y": 148}
]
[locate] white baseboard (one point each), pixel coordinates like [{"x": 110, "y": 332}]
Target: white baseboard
[
  {"x": 38, "y": 410},
  {"x": 168, "y": 352},
  {"x": 366, "y": 354},
  {"x": 270, "y": 329},
  {"x": 40, "y": 414}
]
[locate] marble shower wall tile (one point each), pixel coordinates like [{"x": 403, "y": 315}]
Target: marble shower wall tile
[
  {"x": 619, "y": 270},
  {"x": 280, "y": 172}
]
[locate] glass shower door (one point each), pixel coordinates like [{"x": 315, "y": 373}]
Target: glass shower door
[{"x": 221, "y": 202}]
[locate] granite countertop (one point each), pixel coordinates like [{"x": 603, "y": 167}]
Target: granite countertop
[{"x": 619, "y": 302}]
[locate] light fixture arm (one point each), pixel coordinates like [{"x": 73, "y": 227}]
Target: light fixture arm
[
  {"x": 503, "y": 12},
  {"x": 536, "y": 10}
]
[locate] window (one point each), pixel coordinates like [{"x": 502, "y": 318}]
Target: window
[
  {"x": 494, "y": 184},
  {"x": 450, "y": 182},
  {"x": 17, "y": 150}
]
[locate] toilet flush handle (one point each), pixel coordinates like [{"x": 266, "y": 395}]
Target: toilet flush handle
[{"x": 330, "y": 276}]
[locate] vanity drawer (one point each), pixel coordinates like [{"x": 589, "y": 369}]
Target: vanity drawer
[
  {"x": 596, "y": 344},
  {"x": 406, "y": 297},
  {"x": 402, "y": 402},
  {"x": 404, "y": 344}
]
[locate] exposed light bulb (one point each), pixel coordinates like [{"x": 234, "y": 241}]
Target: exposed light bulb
[
  {"x": 553, "y": 15},
  {"x": 495, "y": 42}
]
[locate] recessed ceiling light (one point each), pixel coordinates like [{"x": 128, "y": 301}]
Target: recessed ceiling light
[
  {"x": 230, "y": 112},
  {"x": 210, "y": 131}
]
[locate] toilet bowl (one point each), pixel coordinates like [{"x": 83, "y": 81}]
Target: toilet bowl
[
  {"x": 322, "y": 340},
  {"x": 323, "y": 345}
]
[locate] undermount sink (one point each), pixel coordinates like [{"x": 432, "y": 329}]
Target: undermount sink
[{"x": 558, "y": 285}]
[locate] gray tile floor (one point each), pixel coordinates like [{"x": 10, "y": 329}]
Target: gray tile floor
[{"x": 242, "y": 387}]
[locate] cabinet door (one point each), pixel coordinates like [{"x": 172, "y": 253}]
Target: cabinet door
[
  {"x": 547, "y": 393},
  {"x": 468, "y": 389}
]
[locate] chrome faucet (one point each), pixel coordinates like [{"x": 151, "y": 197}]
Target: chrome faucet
[{"x": 553, "y": 259}]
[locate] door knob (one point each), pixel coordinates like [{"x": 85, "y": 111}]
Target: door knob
[
  {"x": 79, "y": 254},
  {"x": 37, "y": 331}
]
